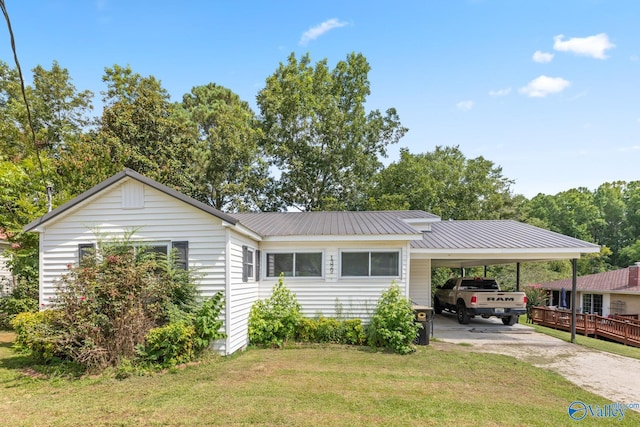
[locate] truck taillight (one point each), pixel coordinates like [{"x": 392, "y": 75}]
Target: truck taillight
[
  {"x": 474, "y": 299},
  {"x": 525, "y": 299}
]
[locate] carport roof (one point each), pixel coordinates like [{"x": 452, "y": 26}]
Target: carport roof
[{"x": 486, "y": 242}]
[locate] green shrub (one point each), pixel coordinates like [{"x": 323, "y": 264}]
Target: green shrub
[
  {"x": 393, "y": 326},
  {"x": 110, "y": 302},
  {"x": 208, "y": 323},
  {"x": 38, "y": 334},
  {"x": 352, "y": 332},
  {"x": 273, "y": 321},
  {"x": 307, "y": 330},
  {"x": 169, "y": 345},
  {"x": 22, "y": 298},
  {"x": 327, "y": 330}
]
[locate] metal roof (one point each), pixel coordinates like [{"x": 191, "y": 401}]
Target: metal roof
[
  {"x": 335, "y": 223},
  {"x": 495, "y": 234},
  {"x": 128, "y": 173},
  {"x": 609, "y": 281}
]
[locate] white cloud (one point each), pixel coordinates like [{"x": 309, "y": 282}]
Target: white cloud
[
  {"x": 500, "y": 92},
  {"x": 630, "y": 148},
  {"x": 315, "y": 32},
  {"x": 465, "y": 105},
  {"x": 594, "y": 46},
  {"x": 542, "y": 57},
  {"x": 543, "y": 86},
  {"x": 634, "y": 58}
]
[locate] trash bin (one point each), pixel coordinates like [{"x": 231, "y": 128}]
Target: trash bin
[{"x": 423, "y": 315}]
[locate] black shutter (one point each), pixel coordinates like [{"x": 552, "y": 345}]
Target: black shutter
[
  {"x": 182, "y": 255},
  {"x": 258, "y": 264},
  {"x": 245, "y": 253}
]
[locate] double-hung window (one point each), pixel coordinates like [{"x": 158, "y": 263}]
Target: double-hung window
[
  {"x": 250, "y": 263},
  {"x": 294, "y": 264},
  {"x": 370, "y": 263},
  {"x": 162, "y": 249}
]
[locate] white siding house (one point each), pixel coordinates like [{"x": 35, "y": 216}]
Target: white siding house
[
  {"x": 337, "y": 263},
  {"x": 6, "y": 280}
]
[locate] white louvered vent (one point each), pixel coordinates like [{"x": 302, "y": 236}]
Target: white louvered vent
[{"x": 133, "y": 195}]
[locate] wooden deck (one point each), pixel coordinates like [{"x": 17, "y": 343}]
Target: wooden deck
[{"x": 622, "y": 329}]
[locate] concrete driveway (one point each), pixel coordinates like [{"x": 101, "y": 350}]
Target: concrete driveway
[{"x": 611, "y": 376}]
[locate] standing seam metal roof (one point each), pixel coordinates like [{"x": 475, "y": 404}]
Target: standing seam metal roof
[
  {"x": 334, "y": 223},
  {"x": 494, "y": 234}
]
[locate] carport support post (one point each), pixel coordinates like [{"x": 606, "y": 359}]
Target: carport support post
[
  {"x": 517, "y": 276},
  {"x": 574, "y": 286}
]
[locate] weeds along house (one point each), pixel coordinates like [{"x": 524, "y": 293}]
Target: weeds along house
[{"x": 335, "y": 262}]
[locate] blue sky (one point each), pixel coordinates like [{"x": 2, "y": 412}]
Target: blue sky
[{"x": 548, "y": 90}]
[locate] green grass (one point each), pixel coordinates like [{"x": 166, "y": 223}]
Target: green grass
[
  {"x": 441, "y": 384},
  {"x": 594, "y": 343}
]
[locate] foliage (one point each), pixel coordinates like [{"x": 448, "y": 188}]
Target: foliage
[
  {"x": 393, "y": 324},
  {"x": 273, "y": 321},
  {"x": 142, "y": 130},
  {"x": 208, "y": 322},
  {"x": 23, "y": 297},
  {"x": 228, "y": 170},
  {"x": 112, "y": 300},
  {"x": 169, "y": 345},
  {"x": 326, "y": 330},
  {"x": 536, "y": 296},
  {"x": 319, "y": 136},
  {"x": 446, "y": 183},
  {"x": 38, "y": 334}
]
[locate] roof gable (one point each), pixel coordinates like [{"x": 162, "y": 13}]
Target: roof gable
[{"x": 127, "y": 174}]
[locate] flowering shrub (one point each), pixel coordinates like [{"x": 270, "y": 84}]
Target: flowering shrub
[{"x": 109, "y": 303}]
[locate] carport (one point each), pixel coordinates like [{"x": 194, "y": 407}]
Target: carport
[{"x": 474, "y": 243}]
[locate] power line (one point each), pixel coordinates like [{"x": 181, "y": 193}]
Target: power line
[{"x": 26, "y": 103}]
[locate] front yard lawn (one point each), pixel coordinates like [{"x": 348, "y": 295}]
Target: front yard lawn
[{"x": 442, "y": 384}]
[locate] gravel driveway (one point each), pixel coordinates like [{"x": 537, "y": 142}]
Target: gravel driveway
[{"x": 616, "y": 378}]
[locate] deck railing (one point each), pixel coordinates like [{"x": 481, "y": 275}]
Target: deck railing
[{"x": 622, "y": 329}]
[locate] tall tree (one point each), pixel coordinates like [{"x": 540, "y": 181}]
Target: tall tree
[
  {"x": 144, "y": 131},
  {"x": 446, "y": 183},
  {"x": 318, "y": 134},
  {"x": 59, "y": 111},
  {"x": 229, "y": 171}
]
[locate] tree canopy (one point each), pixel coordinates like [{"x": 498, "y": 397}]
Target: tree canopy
[
  {"x": 318, "y": 134},
  {"x": 446, "y": 183}
]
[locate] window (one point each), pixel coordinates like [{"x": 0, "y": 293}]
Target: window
[
  {"x": 247, "y": 263},
  {"x": 84, "y": 250},
  {"x": 296, "y": 264},
  {"x": 355, "y": 264},
  {"x": 592, "y": 304},
  {"x": 181, "y": 249}
]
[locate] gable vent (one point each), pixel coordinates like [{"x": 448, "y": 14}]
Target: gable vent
[{"x": 132, "y": 194}]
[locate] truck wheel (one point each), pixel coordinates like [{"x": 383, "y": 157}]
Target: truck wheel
[
  {"x": 437, "y": 308},
  {"x": 461, "y": 311},
  {"x": 510, "y": 321}
]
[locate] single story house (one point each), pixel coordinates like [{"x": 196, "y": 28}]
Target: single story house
[
  {"x": 6, "y": 280},
  {"x": 609, "y": 293},
  {"x": 337, "y": 263}
]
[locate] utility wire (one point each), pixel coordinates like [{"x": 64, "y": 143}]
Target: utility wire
[{"x": 26, "y": 103}]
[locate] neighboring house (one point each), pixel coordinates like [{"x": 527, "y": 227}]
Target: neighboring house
[
  {"x": 6, "y": 280},
  {"x": 337, "y": 263},
  {"x": 609, "y": 293}
]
